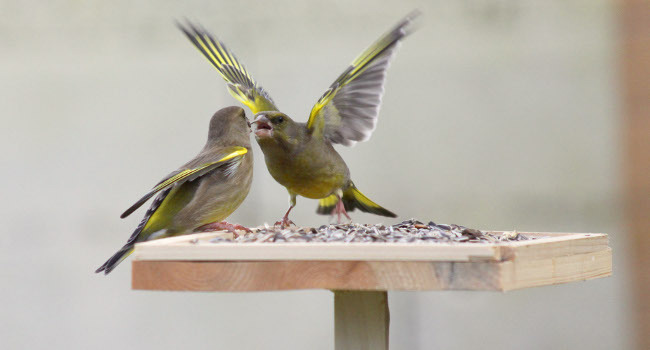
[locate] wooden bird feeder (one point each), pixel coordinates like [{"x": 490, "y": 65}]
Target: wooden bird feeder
[{"x": 360, "y": 274}]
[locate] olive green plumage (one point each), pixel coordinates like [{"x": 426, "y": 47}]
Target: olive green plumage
[
  {"x": 300, "y": 156},
  {"x": 204, "y": 190},
  {"x": 306, "y": 165}
]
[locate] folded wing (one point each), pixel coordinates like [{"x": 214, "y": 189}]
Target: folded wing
[{"x": 178, "y": 177}]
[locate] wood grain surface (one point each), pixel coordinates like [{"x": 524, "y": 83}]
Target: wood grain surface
[
  {"x": 368, "y": 275},
  {"x": 361, "y": 320}
]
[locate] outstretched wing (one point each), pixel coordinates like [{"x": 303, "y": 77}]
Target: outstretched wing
[
  {"x": 347, "y": 112},
  {"x": 185, "y": 175},
  {"x": 240, "y": 84}
]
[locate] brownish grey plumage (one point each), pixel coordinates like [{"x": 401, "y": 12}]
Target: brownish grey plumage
[
  {"x": 300, "y": 156},
  {"x": 204, "y": 190}
]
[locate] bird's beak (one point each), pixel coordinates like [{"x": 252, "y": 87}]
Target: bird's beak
[{"x": 263, "y": 126}]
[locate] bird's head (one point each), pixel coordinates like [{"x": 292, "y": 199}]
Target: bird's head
[
  {"x": 229, "y": 125},
  {"x": 271, "y": 124}
]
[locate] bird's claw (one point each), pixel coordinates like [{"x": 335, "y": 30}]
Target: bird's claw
[
  {"x": 223, "y": 226},
  {"x": 284, "y": 223}
]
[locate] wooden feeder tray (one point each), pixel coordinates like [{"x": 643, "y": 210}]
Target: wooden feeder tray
[{"x": 361, "y": 273}]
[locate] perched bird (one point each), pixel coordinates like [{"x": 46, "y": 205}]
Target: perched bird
[
  {"x": 201, "y": 193},
  {"x": 300, "y": 156}
]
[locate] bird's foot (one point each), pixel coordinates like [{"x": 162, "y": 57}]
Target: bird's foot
[
  {"x": 223, "y": 226},
  {"x": 340, "y": 209},
  {"x": 284, "y": 223}
]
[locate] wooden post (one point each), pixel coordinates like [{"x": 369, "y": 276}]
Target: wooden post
[
  {"x": 361, "y": 320},
  {"x": 635, "y": 30}
]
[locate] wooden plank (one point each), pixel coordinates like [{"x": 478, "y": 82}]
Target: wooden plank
[
  {"x": 635, "y": 60},
  {"x": 361, "y": 320},
  {"x": 368, "y": 275},
  {"x": 318, "y": 251},
  {"x": 526, "y": 273},
  {"x": 181, "y": 248},
  {"x": 185, "y": 239},
  {"x": 557, "y": 245},
  {"x": 289, "y": 275}
]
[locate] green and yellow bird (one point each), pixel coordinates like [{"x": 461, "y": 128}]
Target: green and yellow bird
[
  {"x": 201, "y": 193},
  {"x": 300, "y": 156}
]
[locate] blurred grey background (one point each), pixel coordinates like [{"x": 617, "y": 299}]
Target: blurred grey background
[{"x": 497, "y": 115}]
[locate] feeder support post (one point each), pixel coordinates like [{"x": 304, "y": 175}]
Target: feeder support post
[{"x": 361, "y": 320}]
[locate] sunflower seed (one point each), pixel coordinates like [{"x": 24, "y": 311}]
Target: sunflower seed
[{"x": 411, "y": 231}]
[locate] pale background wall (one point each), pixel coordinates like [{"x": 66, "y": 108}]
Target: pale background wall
[{"x": 497, "y": 115}]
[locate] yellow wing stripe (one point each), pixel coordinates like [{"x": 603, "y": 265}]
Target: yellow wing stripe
[
  {"x": 241, "y": 84},
  {"x": 358, "y": 66},
  {"x": 239, "y": 152},
  {"x": 214, "y": 49},
  {"x": 211, "y": 58},
  {"x": 218, "y": 56},
  {"x": 217, "y": 62},
  {"x": 234, "y": 152},
  {"x": 224, "y": 57},
  {"x": 185, "y": 173},
  {"x": 366, "y": 57},
  {"x": 361, "y": 64}
]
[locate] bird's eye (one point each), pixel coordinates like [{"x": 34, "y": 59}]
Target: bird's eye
[{"x": 279, "y": 119}]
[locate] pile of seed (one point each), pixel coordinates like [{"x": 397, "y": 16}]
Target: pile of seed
[{"x": 410, "y": 231}]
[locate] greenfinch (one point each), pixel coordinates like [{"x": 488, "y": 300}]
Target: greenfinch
[
  {"x": 202, "y": 192},
  {"x": 300, "y": 156}
]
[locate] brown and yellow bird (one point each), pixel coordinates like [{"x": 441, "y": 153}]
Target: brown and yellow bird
[
  {"x": 202, "y": 192},
  {"x": 300, "y": 156}
]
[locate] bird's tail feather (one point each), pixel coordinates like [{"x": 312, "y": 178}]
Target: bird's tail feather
[
  {"x": 116, "y": 259},
  {"x": 127, "y": 249},
  {"x": 352, "y": 199},
  {"x": 327, "y": 204}
]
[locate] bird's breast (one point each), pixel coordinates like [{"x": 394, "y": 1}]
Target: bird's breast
[{"x": 309, "y": 171}]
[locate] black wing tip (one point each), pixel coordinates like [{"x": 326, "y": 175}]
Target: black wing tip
[
  {"x": 407, "y": 25},
  {"x": 179, "y": 23},
  {"x": 185, "y": 25},
  {"x": 115, "y": 259},
  {"x": 127, "y": 212},
  {"x": 138, "y": 204},
  {"x": 104, "y": 268},
  {"x": 191, "y": 29}
]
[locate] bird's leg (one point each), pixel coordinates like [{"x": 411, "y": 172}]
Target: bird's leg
[
  {"x": 340, "y": 209},
  {"x": 285, "y": 222},
  {"x": 222, "y": 226}
]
